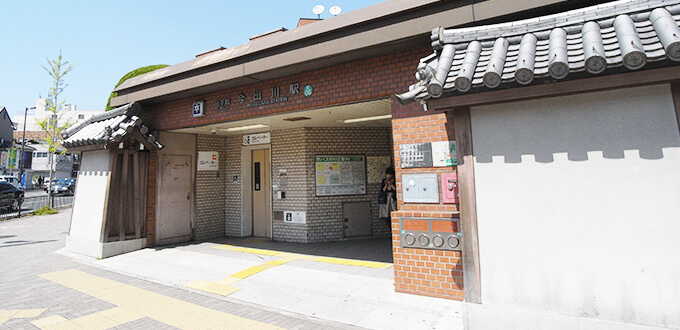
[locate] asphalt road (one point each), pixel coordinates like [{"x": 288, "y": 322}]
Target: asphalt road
[{"x": 46, "y": 290}]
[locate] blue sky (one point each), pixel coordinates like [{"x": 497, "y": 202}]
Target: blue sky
[{"x": 104, "y": 40}]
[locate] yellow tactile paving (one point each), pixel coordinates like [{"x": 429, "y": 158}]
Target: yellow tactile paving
[
  {"x": 143, "y": 303},
  {"x": 295, "y": 256},
  {"x": 247, "y": 250},
  {"x": 352, "y": 262},
  {"x": 6, "y": 315},
  {"x": 51, "y": 322},
  {"x": 249, "y": 271},
  {"x": 223, "y": 287}
]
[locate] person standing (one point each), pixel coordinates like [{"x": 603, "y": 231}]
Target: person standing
[{"x": 389, "y": 188}]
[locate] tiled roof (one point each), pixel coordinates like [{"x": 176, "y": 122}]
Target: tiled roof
[
  {"x": 608, "y": 38},
  {"x": 111, "y": 126}
]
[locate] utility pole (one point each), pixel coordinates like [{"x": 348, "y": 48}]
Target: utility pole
[{"x": 21, "y": 160}]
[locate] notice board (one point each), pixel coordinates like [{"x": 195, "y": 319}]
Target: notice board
[
  {"x": 340, "y": 175},
  {"x": 429, "y": 154}
]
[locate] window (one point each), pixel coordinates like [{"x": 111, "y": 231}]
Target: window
[{"x": 4, "y": 186}]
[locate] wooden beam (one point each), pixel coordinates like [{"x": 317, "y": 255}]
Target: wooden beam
[
  {"x": 93, "y": 147},
  {"x": 675, "y": 91},
  {"x": 144, "y": 156},
  {"x": 468, "y": 205},
  {"x": 124, "y": 193},
  {"x": 629, "y": 79}
]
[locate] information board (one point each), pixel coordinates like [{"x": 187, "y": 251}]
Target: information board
[
  {"x": 416, "y": 155},
  {"x": 429, "y": 154},
  {"x": 340, "y": 175}
]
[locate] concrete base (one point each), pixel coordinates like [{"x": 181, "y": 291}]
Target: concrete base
[
  {"x": 103, "y": 250},
  {"x": 484, "y": 316}
]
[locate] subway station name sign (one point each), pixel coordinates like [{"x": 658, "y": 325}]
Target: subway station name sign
[{"x": 260, "y": 97}]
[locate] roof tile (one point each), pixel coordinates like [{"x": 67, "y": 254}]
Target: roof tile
[{"x": 627, "y": 33}]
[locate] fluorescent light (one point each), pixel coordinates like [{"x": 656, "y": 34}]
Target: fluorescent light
[
  {"x": 244, "y": 128},
  {"x": 356, "y": 120}
]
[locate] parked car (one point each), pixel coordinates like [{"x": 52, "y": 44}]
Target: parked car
[
  {"x": 11, "y": 197},
  {"x": 46, "y": 184},
  {"x": 64, "y": 186},
  {"x": 11, "y": 179}
]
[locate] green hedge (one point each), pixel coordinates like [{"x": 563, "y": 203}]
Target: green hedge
[{"x": 132, "y": 74}]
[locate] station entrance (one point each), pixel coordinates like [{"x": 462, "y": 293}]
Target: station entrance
[{"x": 308, "y": 176}]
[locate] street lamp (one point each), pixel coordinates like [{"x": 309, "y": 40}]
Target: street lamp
[{"x": 21, "y": 160}]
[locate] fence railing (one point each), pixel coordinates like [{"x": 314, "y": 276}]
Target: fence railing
[{"x": 32, "y": 203}]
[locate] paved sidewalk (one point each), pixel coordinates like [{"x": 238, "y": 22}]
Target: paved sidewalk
[
  {"x": 347, "y": 282},
  {"x": 41, "y": 289}
]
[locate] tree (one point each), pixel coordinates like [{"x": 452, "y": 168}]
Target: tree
[{"x": 57, "y": 69}]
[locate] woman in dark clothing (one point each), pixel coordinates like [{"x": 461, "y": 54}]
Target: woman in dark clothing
[{"x": 390, "y": 188}]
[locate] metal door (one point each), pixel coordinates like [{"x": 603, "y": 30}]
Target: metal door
[
  {"x": 357, "y": 219},
  {"x": 176, "y": 199},
  {"x": 261, "y": 193}
]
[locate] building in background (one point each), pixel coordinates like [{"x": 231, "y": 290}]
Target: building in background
[
  {"x": 10, "y": 151},
  {"x": 36, "y": 159},
  {"x": 68, "y": 113}
]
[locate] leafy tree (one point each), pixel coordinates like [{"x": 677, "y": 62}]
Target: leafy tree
[
  {"x": 57, "y": 69},
  {"x": 132, "y": 74}
]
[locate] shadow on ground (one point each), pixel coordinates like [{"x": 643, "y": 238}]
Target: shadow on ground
[{"x": 377, "y": 249}]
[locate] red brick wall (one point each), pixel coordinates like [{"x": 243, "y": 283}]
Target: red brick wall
[
  {"x": 360, "y": 80},
  {"x": 433, "y": 273}
]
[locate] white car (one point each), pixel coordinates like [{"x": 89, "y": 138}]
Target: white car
[{"x": 11, "y": 179}]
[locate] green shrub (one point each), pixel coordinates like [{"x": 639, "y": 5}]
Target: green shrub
[
  {"x": 45, "y": 210},
  {"x": 132, "y": 74}
]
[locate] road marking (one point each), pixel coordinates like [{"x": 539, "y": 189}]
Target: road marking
[
  {"x": 134, "y": 303},
  {"x": 7, "y": 315}
]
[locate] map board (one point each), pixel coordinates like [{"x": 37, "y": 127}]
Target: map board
[{"x": 340, "y": 175}]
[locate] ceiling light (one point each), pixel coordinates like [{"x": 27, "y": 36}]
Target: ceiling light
[
  {"x": 245, "y": 128},
  {"x": 356, "y": 120},
  {"x": 297, "y": 118}
]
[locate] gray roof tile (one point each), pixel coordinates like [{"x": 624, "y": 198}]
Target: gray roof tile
[
  {"x": 628, "y": 33},
  {"x": 111, "y": 126}
]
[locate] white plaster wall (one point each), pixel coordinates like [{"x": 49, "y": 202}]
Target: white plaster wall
[
  {"x": 88, "y": 206},
  {"x": 578, "y": 203}
]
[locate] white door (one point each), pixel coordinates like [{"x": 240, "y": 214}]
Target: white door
[{"x": 174, "y": 224}]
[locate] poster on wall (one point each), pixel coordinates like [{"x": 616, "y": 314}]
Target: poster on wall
[
  {"x": 340, "y": 175},
  {"x": 444, "y": 154},
  {"x": 375, "y": 168}
]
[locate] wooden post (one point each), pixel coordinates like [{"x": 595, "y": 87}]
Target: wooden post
[
  {"x": 136, "y": 195},
  {"x": 468, "y": 205},
  {"x": 123, "y": 193},
  {"x": 675, "y": 91}
]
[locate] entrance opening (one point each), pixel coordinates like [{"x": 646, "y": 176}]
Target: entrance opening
[{"x": 261, "y": 194}]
